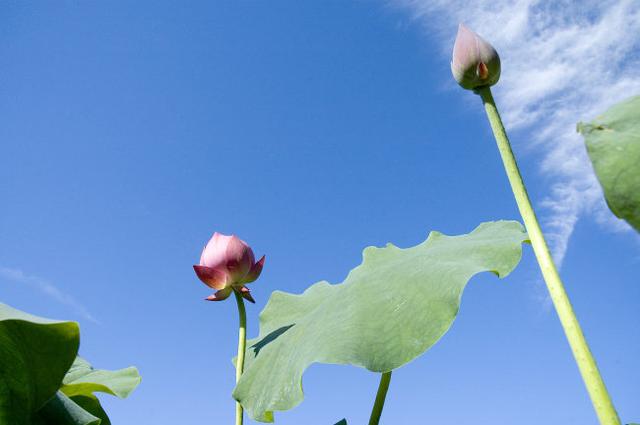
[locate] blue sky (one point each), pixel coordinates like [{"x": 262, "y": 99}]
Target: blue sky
[{"x": 131, "y": 131}]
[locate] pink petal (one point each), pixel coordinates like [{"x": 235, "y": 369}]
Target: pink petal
[
  {"x": 238, "y": 258},
  {"x": 211, "y": 277},
  {"x": 255, "y": 271},
  {"x": 214, "y": 253},
  {"x": 465, "y": 48},
  {"x": 223, "y": 294}
]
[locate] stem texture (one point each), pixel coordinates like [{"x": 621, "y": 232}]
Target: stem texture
[
  {"x": 586, "y": 363},
  {"x": 383, "y": 387},
  {"x": 242, "y": 342}
]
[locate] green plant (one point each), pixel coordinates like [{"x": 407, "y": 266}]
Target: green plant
[{"x": 48, "y": 383}]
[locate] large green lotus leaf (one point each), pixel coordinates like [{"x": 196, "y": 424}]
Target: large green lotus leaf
[
  {"x": 389, "y": 310},
  {"x": 35, "y": 354},
  {"x": 62, "y": 410},
  {"x": 83, "y": 379},
  {"x": 613, "y": 144}
]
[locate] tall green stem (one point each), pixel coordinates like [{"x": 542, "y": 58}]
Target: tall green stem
[
  {"x": 593, "y": 381},
  {"x": 383, "y": 387},
  {"x": 242, "y": 342}
]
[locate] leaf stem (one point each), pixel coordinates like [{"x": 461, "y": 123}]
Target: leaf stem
[
  {"x": 586, "y": 363},
  {"x": 242, "y": 342},
  {"x": 383, "y": 387}
]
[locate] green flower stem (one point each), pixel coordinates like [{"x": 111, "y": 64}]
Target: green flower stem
[
  {"x": 593, "y": 381},
  {"x": 383, "y": 387},
  {"x": 242, "y": 343}
]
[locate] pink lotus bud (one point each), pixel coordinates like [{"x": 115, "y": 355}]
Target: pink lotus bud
[
  {"x": 475, "y": 62},
  {"x": 226, "y": 264}
]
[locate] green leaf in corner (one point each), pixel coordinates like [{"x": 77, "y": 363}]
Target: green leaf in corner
[
  {"x": 78, "y": 386},
  {"x": 613, "y": 144},
  {"x": 37, "y": 352},
  {"x": 389, "y": 310}
]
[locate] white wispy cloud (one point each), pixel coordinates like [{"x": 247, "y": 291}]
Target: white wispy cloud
[
  {"x": 562, "y": 62},
  {"x": 47, "y": 288}
]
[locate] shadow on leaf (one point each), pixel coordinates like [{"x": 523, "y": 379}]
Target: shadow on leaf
[{"x": 270, "y": 338}]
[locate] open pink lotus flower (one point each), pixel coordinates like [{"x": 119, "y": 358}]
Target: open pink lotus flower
[{"x": 227, "y": 264}]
